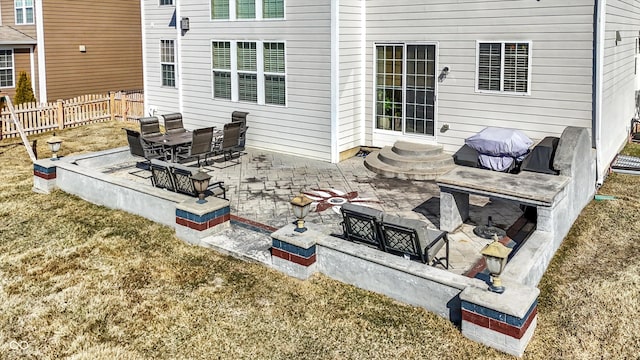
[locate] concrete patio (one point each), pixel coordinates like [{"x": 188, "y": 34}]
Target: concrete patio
[{"x": 261, "y": 186}]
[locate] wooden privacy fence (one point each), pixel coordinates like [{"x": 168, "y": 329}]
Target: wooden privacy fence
[{"x": 73, "y": 112}]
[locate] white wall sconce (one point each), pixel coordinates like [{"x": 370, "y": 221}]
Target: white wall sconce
[
  {"x": 184, "y": 25},
  {"x": 443, "y": 74},
  {"x": 82, "y": 48},
  {"x": 495, "y": 256},
  {"x": 301, "y": 206},
  {"x": 618, "y": 37}
]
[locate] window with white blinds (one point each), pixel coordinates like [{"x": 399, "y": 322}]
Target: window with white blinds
[
  {"x": 504, "y": 67},
  {"x": 273, "y": 9},
  {"x": 221, "y": 62},
  {"x": 219, "y": 9},
  {"x": 167, "y": 63},
  {"x": 247, "y": 72},
  {"x": 250, "y": 71},
  {"x": 6, "y": 68},
  {"x": 247, "y": 9},
  {"x": 274, "y": 77}
]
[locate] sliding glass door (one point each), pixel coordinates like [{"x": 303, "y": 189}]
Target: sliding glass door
[{"x": 405, "y": 88}]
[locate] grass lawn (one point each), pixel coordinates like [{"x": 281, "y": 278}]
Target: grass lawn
[{"x": 81, "y": 281}]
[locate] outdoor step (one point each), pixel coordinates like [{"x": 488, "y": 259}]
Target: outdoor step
[
  {"x": 406, "y": 148},
  {"x": 415, "y": 162},
  {"x": 373, "y": 163}
]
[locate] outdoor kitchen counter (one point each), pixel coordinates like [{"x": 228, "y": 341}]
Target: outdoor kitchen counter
[{"x": 525, "y": 187}]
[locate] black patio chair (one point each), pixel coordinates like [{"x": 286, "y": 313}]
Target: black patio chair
[
  {"x": 182, "y": 176},
  {"x": 200, "y": 145},
  {"x": 150, "y": 126},
  {"x": 230, "y": 143},
  {"x": 173, "y": 123},
  {"x": 137, "y": 149}
]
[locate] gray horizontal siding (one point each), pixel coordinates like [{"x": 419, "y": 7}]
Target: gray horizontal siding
[
  {"x": 619, "y": 75},
  {"x": 561, "y": 34},
  {"x": 302, "y": 127}
]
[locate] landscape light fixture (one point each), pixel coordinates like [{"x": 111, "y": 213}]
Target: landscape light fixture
[
  {"x": 54, "y": 143},
  {"x": 495, "y": 256},
  {"x": 301, "y": 206},
  {"x": 200, "y": 182}
]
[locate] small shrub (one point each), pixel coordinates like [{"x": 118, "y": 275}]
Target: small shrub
[{"x": 24, "y": 92}]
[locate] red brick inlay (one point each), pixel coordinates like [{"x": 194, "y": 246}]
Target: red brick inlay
[
  {"x": 253, "y": 223},
  {"x": 42, "y": 175},
  {"x": 293, "y": 257},
  {"x": 204, "y": 225},
  {"x": 499, "y": 326}
]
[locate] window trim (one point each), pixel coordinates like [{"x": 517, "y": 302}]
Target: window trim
[
  {"x": 260, "y": 73},
  {"x": 502, "y": 47},
  {"x": 13, "y": 68},
  {"x": 259, "y": 6},
  {"x": 24, "y": 13},
  {"x": 174, "y": 64}
]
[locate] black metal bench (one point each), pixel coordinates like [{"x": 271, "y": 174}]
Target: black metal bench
[
  {"x": 176, "y": 177},
  {"x": 396, "y": 235}
]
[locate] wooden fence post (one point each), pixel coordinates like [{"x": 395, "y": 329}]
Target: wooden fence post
[
  {"x": 60, "y": 114},
  {"x": 124, "y": 106},
  {"x": 112, "y": 105}
]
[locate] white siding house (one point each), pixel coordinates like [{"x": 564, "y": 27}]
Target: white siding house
[{"x": 320, "y": 78}]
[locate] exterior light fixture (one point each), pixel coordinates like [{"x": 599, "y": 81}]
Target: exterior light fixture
[
  {"x": 443, "y": 74},
  {"x": 200, "y": 182},
  {"x": 54, "y": 143},
  {"x": 495, "y": 256},
  {"x": 618, "y": 37},
  {"x": 301, "y": 206}
]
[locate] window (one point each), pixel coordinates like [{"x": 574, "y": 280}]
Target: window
[
  {"x": 24, "y": 11},
  {"x": 273, "y": 9},
  {"x": 247, "y": 72},
  {"x": 503, "y": 67},
  {"x": 250, "y": 71},
  {"x": 6, "y": 68},
  {"x": 221, "y": 62},
  {"x": 167, "y": 63},
  {"x": 405, "y": 88},
  {"x": 247, "y": 9},
  {"x": 166, "y": 2},
  {"x": 274, "y": 78}
]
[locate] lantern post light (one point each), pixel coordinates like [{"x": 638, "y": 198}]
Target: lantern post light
[
  {"x": 200, "y": 182},
  {"x": 495, "y": 256},
  {"x": 301, "y": 206},
  {"x": 54, "y": 143}
]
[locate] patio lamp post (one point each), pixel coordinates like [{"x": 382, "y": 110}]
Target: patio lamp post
[
  {"x": 200, "y": 182},
  {"x": 301, "y": 206},
  {"x": 495, "y": 256},
  {"x": 54, "y": 143}
]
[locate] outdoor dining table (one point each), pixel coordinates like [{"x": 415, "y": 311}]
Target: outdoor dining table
[{"x": 170, "y": 142}]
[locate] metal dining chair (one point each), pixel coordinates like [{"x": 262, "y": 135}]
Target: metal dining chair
[
  {"x": 173, "y": 123},
  {"x": 149, "y": 126},
  {"x": 200, "y": 145}
]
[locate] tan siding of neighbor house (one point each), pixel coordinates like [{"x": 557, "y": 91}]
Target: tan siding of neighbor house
[{"x": 111, "y": 33}]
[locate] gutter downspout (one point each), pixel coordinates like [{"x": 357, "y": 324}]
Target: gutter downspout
[
  {"x": 145, "y": 76},
  {"x": 335, "y": 79},
  {"x": 598, "y": 65},
  {"x": 363, "y": 72},
  {"x": 42, "y": 68}
]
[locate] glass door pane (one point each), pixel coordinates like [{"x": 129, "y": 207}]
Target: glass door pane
[
  {"x": 389, "y": 101},
  {"x": 420, "y": 91}
]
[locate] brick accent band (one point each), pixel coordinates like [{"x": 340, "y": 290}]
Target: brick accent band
[
  {"x": 202, "y": 222},
  {"x": 47, "y": 173},
  {"x": 296, "y": 254},
  {"x": 497, "y": 321}
]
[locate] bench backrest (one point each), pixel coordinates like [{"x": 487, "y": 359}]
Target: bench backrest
[
  {"x": 411, "y": 237},
  {"x": 362, "y": 224}
]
